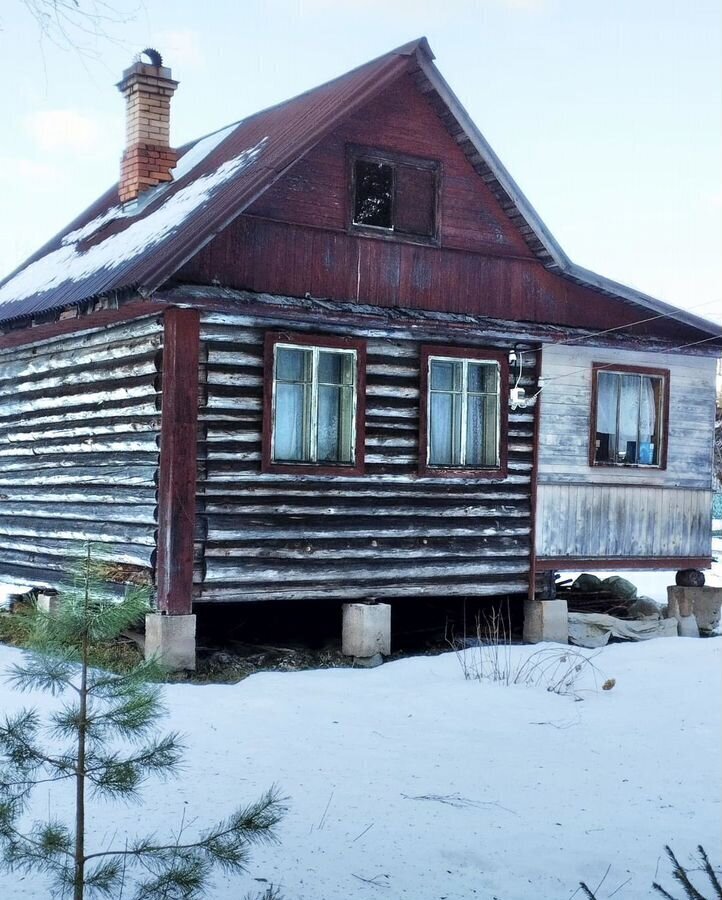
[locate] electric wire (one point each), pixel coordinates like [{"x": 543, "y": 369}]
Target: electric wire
[{"x": 576, "y": 339}]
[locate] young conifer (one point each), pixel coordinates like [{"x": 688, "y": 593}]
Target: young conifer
[{"x": 102, "y": 738}]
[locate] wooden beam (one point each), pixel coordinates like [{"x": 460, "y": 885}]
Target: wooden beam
[
  {"x": 624, "y": 562},
  {"x": 135, "y": 309},
  {"x": 177, "y": 467}
]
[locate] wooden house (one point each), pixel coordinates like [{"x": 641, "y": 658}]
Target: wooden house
[{"x": 332, "y": 351}]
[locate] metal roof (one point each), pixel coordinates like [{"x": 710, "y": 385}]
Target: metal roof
[{"x": 139, "y": 247}]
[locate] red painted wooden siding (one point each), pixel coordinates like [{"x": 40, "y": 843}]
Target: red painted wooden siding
[
  {"x": 316, "y": 191},
  {"x": 295, "y": 239}
]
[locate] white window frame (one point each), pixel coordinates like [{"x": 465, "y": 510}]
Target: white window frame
[
  {"x": 313, "y": 414},
  {"x": 465, "y": 361}
]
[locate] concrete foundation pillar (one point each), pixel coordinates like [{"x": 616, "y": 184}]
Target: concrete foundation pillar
[
  {"x": 546, "y": 620},
  {"x": 48, "y": 602},
  {"x": 701, "y": 603},
  {"x": 366, "y": 632},
  {"x": 171, "y": 640}
]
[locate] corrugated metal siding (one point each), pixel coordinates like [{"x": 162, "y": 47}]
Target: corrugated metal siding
[
  {"x": 594, "y": 511},
  {"x": 388, "y": 533},
  {"x": 79, "y": 426}
]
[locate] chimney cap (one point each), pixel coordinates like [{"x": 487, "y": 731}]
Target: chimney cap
[
  {"x": 147, "y": 73},
  {"x": 154, "y": 57}
]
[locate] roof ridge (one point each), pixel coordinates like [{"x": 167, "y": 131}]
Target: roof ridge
[{"x": 408, "y": 49}]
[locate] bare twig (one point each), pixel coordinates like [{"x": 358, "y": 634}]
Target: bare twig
[{"x": 374, "y": 881}]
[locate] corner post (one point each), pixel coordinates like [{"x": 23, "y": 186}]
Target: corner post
[{"x": 177, "y": 474}]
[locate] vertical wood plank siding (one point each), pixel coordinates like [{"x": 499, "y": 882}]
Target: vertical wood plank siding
[
  {"x": 602, "y": 521},
  {"x": 599, "y": 511},
  {"x": 79, "y": 425},
  {"x": 296, "y": 238},
  {"x": 389, "y": 533}
]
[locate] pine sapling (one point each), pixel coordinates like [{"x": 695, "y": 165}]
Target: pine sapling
[
  {"x": 681, "y": 875},
  {"x": 103, "y": 740}
]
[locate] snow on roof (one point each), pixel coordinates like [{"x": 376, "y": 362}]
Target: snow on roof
[
  {"x": 68, "y": 263},
  {"x": 200, "y": 150}
]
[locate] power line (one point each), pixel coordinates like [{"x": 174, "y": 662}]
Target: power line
[{"x": 544, "y": 381}]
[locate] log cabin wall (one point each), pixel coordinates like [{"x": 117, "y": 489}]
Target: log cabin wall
[
  {"x": 618, "y": 512},
  {"x": 79, "y": 428},
  {"x": 387, "y": 533}
]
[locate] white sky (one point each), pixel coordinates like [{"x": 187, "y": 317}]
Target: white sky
[{"x": 607, "y": 114}]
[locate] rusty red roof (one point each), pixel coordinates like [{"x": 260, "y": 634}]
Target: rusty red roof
[
  {"x": 138, "y": 246},
  {"x": 111, "y": 248}
]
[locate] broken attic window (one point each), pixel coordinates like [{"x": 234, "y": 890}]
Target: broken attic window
[
  {"x": 395, "y": 194},
  {"x": 374, "y": 194}
]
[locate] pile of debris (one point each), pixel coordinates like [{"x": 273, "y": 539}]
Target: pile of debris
[{"x": 600, "y": 609}]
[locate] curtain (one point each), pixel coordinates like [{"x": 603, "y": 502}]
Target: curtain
[
  {"x": 607, "y": 388},
  {"x": 637, "y": 405}
]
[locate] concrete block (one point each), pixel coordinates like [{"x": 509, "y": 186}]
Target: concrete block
[
  {"x": 707, "y": 606},
  {"x": 687, "y": 626},
  {"x": 366, "y": 629},
  {"x": 546, "y": 620},
  {"x": 368, "y": 662},
  {"x": 171, "y": 640},
  {"x": 704, "y": 603},
  {"x": 48, "y": 603}
]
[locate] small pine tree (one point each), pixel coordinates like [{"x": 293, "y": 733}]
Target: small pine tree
[
  {"x": 681, "y": 875},
  {"x": 106, "y": 737}
]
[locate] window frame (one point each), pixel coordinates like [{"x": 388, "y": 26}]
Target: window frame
[
  {"x": 271, "y": 340},
  {"x": 614, "y": 368},
  {"x": 472, "y": 354},
  {"x": 355, "y": 153}
]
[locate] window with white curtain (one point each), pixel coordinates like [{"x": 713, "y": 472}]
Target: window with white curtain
[
  {"x": 314, "y": 405},
  {"x": 463, "y": 413},
  {"x": 629, "y": 417}
]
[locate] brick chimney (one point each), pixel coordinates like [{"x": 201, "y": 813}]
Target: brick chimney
[{"x": 148, "y": 157}]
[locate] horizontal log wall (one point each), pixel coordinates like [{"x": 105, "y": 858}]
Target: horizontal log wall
[
  {"x": 79, "y": 426},
  {"x": 388, "y": 533}
]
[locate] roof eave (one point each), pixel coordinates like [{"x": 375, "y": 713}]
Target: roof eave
[{"x": 559, "y": 259}]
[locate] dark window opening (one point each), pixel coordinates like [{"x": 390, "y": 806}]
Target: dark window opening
[
  {"x": 374, "y": 194},
  {"x": 396, "y": 195}
]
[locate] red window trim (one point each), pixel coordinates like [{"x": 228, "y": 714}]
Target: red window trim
[
  {"x": 633, "y": 370},
  {"x": 473, "y": 353},
  {"x": 313, "y": 340}
]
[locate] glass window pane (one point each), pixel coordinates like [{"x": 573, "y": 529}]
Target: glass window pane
[
  {"x": 293, "y": 364},
  {"x": 445, "y": 429},
  {"x": 335, "y": 368},
  {"x": 374, "y": 194},
  {"x": 290, "y": 427},
  {"x": 446, "y": 375},
  {"x": 335, "y": 424},
  {"x": 628, "y": 420},
  {"x": 649, "y": 421},
  {"x": 606, "y": 428},
  {"x": 482, "y": 377},
  {"x": 482, "y": 446}
]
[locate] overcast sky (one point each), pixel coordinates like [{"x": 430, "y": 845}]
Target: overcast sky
[{"x": 606, "y": 112}]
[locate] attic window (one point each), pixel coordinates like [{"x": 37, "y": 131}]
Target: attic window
[{"x": 394, "y": 194}]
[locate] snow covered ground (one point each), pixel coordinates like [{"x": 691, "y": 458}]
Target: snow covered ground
[{"x": 409, "y": 782}]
